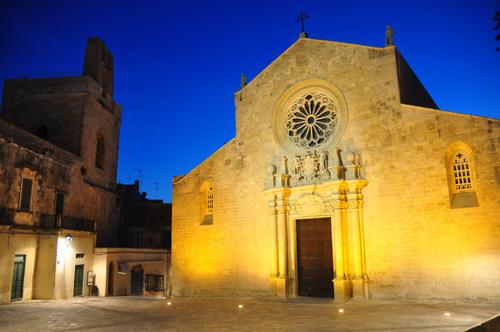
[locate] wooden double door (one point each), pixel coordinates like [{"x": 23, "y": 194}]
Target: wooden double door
[{"x": 315, "y": 257}]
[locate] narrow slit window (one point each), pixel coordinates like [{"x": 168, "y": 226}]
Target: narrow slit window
[
  {"x": 210, "y": 201},
  {"x": 59, "y": 203},
  {"x": 99, "y": 153}
]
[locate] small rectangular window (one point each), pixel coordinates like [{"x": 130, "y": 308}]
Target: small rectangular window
[
  {"x": 80, "y": 255},
  {"x": 155, "y": 282},
  {"x": 26, "y": 187},
  {"x": 59, "y": 203},
  {"x": 159, "y": 281},
  {"x": 150, "y": 282}
]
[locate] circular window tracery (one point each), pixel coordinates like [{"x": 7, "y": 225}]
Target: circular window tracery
[{"x": 311, "y": 120}]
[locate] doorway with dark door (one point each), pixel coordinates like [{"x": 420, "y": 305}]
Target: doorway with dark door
[
  {"x": 18, "y": 278},
  {"x": 314, "y": 257},
  {"x": 110, "y": 278},
  {"x": 78, "y": 285},
  {"x": 137, "y": 279}
]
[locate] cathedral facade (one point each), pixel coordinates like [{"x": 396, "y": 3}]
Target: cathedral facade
[{"x": 344, "y": 180}]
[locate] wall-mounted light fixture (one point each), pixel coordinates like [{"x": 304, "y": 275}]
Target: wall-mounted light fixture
[{"x": 69, "y": 238}]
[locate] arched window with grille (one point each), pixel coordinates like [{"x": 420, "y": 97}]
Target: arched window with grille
[
  {"x": 461, "y": 176},
  {"x": 207, "y": 198}
]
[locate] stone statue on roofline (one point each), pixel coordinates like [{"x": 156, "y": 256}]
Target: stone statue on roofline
[{"x": 389, "y": 31}]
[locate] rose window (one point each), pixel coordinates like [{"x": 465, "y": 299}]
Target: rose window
[{"x": 311, "y": 120}]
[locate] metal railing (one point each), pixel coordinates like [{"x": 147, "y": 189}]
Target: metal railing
[
  {"x": 66, "y": 222},
  {"x": 50, "y": 221}
]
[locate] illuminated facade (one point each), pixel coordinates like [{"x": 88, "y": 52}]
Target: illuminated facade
[{"x": 344, "y": 180}]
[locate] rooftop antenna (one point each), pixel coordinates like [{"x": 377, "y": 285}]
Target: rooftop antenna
[
  {"x": 301, "y": 17},
  {"x": 141, "y": 175},
  {"x": 156, "y": 189}
]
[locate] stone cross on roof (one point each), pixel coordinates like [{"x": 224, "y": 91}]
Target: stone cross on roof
[{"x": 301, "y": 17}]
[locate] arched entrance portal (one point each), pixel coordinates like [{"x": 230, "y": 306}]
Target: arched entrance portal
[
  {"x": 137, "y": 279},
  {"x": 318, "y": 240}
]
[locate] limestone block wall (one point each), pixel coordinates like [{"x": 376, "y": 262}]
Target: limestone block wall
[
  {"x": 228, "y": 256},
  {"x": 416, "y": 245},
  {"x": 49, "y": 264},
  {"x": 56, "y": 103},
  {"x": 66, "y": 259},
  {"x": 152, "y": 261},
  {"x": 100, "y": 121},
  {"x": 52, "y": 169},
  {"x": 23, "y": 244},
  {"x": 45, "y": 266}
]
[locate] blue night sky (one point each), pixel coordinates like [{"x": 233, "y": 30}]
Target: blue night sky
[{"x": 178, "y": 63}]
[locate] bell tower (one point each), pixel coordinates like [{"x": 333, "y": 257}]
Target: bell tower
[{"x": 98, "y": 64}]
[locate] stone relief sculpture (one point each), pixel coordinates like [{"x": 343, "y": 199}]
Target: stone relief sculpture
[
  {"x": 315, "y": 167},
  {"x": 310, "y": 165},
  {"x": 339, "y": 168},
  {"x": 285, "y": 165}
]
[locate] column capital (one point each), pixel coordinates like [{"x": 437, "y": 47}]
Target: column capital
[
  {"x": 271, "y": 203},
  {"x": 356, "y": 186}
]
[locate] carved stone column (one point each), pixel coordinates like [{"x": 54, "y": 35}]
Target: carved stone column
[
  {"x": 356, "y": 245},
  {"x": 366, "y": 280},
  {"x": 274, "y": 235},
  {"x": 340, "y": 282},
  {"x": 280, "y": 280},
  {"x": 282, "y": 238}
]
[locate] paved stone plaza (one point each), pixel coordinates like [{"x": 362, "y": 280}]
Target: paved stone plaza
[{"x": 196, "y": 314}]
